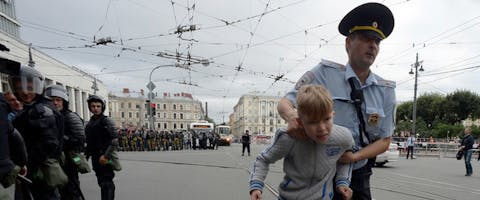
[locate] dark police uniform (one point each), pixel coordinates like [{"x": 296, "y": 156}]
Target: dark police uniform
[
  {"x": 12, "y": 150},
  {"x": 378, "y": 106},
  {"x": 102, "y": 140},
  {"x": 246, "y": 143},
  {"x": 41, "y": 125},
  {"x": 73, "y": 139},
  {"x": 12, "y": 147}
]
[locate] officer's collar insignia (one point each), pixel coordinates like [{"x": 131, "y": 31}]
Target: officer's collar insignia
[{"x": 374, "y": 119}]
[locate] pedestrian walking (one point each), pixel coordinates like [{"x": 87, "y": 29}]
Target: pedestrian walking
[
  {"x": 364, "y": 102},
  {"x": 410, "y": 145},
  {"x": 467, "y": 147}
]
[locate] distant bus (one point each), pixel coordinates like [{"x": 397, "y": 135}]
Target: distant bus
[
  {"x": 201, "y": 131},
  {"x": 203, "y": 126},
  {"x": 225, "y": 135}
]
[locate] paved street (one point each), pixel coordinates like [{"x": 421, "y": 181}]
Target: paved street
[{"x": 223, "y": 174}]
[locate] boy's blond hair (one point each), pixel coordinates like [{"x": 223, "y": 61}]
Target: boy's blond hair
[{"x": 314, "y": 101}]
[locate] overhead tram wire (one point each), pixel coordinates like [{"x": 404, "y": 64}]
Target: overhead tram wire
[
  {"x": 224, "y": 22},
  {"x": 104, "y": 20},
  {"x": 278, "y": 38},
  {"x": 240, "y": 65},
  {"x": 416, "y": 45}
]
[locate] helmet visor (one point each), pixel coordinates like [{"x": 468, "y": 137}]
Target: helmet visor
[{"x": 26, "y": 84}]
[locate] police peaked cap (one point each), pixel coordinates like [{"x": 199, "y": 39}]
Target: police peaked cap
[{"x": 372, "y": 18}]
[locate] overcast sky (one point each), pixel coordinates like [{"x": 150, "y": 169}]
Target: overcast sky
[{"x": 249, "y": 43}]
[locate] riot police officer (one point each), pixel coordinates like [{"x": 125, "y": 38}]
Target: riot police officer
[
  {"x": 73, "y": 141},
  {"x": 12, "y": 147},
  {"x": 41, "y": 126},
  {"x": 101, "y": 143}
]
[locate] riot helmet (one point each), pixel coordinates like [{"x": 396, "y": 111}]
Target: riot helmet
[
  {"x": 56, "y": 91},
  {"x": 96, "y": 98},
  {"x": 28, "y": 80}
]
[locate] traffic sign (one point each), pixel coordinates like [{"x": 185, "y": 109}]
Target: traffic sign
[
  {"x": 151, "y": 95},
  {"x": 151, "y": 86}
]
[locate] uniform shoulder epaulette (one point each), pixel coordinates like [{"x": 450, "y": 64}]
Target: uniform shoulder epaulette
[
  {"x": 328, "y": 63},
  {"x": 387, "y": 83}
]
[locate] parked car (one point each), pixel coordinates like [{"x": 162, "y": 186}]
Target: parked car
[{"x": 392, "y": 154}]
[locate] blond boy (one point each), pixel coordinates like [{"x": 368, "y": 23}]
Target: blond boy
[{"x": 310, "y": 165}]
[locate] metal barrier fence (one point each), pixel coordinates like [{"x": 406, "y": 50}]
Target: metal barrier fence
[{"x": 437, "y": 149}]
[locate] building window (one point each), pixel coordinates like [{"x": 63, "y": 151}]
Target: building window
[
  {"x": 164, "y": 115},
  {"x": 137, "y": 115},
  {"x": 181, "y": 115},
  {"x": 271, "y": 121},
  {"x": 129, "y": 114},
  {"x": 175, "y": 126},
  {"x": 129, "y": 105},
  {"x": 158, "y": 125},
  {"x": 123, "y": 114},
  {"x": 164, "y": 106},
  {"x": 174, "y": 106},
  {"x": 181, "y": 126},
  {"x": 174, "y": 115},
  {"x": 181, "y": 107},
  {"x": 122, "y": 105},
  {"x": 164, "y": 125},
  {"x": 271, "y": 129}
]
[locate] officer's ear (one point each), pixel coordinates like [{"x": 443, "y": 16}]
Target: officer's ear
[{"x": 348, "y": 39}]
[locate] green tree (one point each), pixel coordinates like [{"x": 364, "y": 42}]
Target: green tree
[
  {"x": 460, "y": 105},
  {"x": 404, "y": 111},
  {"x": 429, "y": 107}
]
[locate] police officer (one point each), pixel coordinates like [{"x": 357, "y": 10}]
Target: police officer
[
  {"x": 15, "y": 105},
  {"x": 73, "y": 140},
  {"x": 13, "y": 154},
  {"x": 41, "y": 126},
  {"x": 364, "y": 101},
  {"x": 246, "y": 143},
  {"x": 101, "y": 143}
]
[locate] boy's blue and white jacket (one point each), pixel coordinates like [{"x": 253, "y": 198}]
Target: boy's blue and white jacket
[{"x": 309, "y": 167}]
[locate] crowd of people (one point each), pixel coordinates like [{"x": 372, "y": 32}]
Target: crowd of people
[
  {"x": 142, "y": 139},
  {"x": 44, "y": 145}
]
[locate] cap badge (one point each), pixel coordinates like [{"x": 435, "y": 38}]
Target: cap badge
[{"x": 375, "y": 24}]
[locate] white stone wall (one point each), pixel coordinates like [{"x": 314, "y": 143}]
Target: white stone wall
[{"x": 78, "y": 83}]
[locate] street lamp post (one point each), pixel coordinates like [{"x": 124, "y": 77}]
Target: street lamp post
[
  {"x": 151, "y": 86},
  {"x": 414, "y": 114}
]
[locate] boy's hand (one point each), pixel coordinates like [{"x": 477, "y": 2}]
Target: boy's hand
[
  {"x": 255, "y": 195},
  {"x": 347, "y": 158},
  {"x": 345, "y": 191}
]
